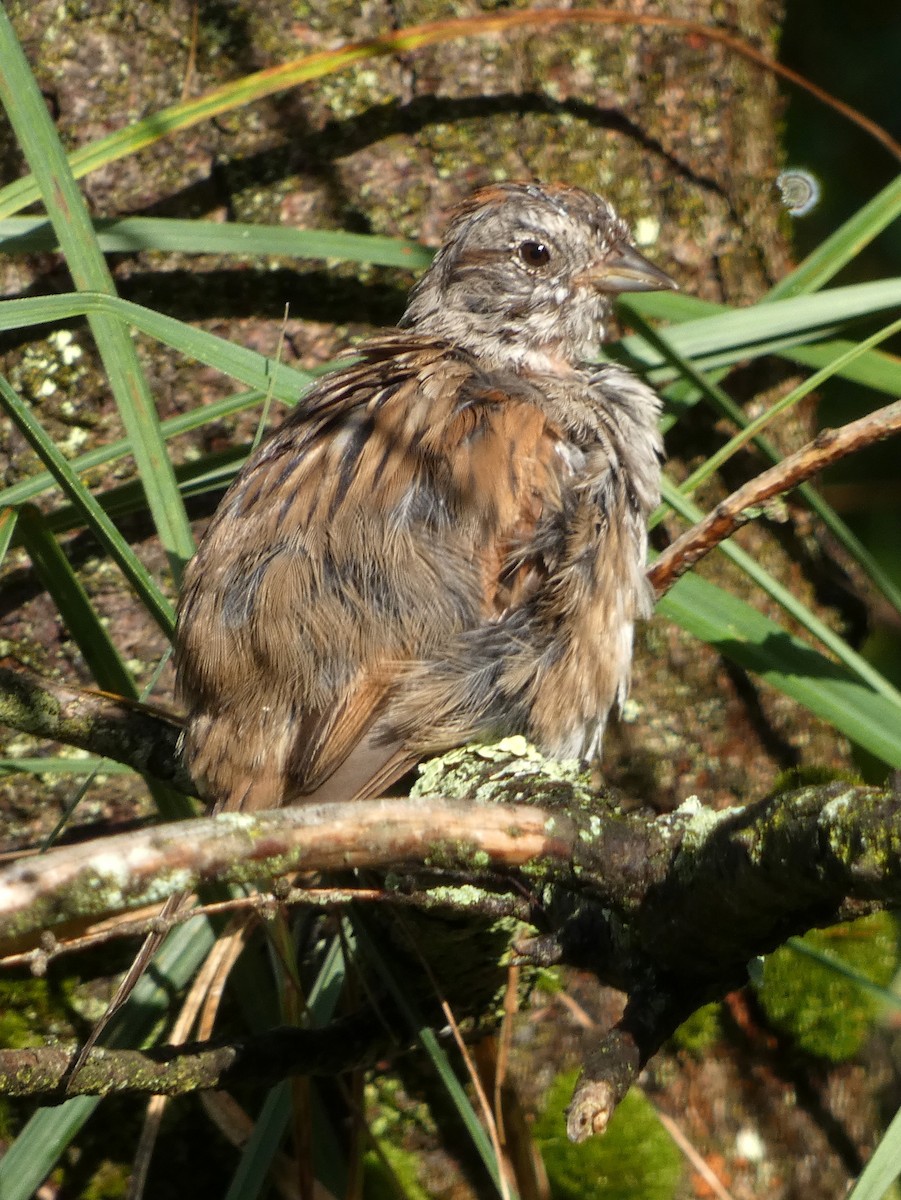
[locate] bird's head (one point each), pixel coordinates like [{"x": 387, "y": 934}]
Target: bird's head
[{"x": 526, "y": 274}]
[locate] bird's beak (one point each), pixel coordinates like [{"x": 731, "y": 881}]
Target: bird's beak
[{"x": 623, "y": 269}]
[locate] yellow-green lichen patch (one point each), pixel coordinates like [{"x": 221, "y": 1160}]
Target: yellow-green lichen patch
[
  {"x": 698, "y": 823},
  {"x": 511, "y": 771}
]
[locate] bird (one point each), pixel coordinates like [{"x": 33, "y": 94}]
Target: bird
[{"x": 445, "y": 541}]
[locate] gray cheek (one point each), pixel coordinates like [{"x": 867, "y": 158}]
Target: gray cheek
[{"x": 479, "y": 302}]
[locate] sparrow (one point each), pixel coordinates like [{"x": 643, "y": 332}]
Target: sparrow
[{"x": 445, "y": 541}]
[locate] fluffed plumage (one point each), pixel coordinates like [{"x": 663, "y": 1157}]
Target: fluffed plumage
[{"x": 444, "y": 541}]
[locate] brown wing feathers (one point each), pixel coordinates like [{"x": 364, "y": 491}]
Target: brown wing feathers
[{"x": 288, "y": 656}]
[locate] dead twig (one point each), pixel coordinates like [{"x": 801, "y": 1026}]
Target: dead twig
[{"x": 744, "y": 505}]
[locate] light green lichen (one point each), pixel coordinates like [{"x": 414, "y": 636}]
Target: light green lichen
[{"x": 511, "y": 771}]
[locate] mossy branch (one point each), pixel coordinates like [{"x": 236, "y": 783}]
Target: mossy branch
[{"x": 668, "y": 908}]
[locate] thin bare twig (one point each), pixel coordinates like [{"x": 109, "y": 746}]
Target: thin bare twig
[{"x": 744, "y": 505}]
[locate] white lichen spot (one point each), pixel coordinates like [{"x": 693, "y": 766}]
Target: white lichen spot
[
  {"x": 630, "y": 711},
  {"x": 646, "y": 231},
  {"x": 72, "y": 752},
  {"x": 19, "y": 747},
  {"x": 749, "y": 1145},
  {"x": 73, "y": 441},
  {"x": 835, "y": 807},
  {"x": 110, "y": 870},
  {"x": 516, "y": 744},
  {"x": 701, "y": 821},
  {"x": 169, "y": 884},
  {"x": 689, "y": 806},
  {"x": 63, "y": 341},
  {"x": 47, "y": 388},
  {"x": 234, "y": 820}
]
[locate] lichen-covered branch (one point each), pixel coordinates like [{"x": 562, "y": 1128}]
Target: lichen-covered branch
[
  {"x": 668, "y": 908},
  {"x": 119, "y": 874},
  {"x": 175, "y": 1070},
  {"x": 109, "y": 726}
]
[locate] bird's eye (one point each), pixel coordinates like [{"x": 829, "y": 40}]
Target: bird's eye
[{"x": 534, "y": 254}]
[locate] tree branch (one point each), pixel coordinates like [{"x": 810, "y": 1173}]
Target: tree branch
[
  {"x": 669, "y": 909},
  {"x": 113, "y": 727},
  {"x": 742, "y": 506}
]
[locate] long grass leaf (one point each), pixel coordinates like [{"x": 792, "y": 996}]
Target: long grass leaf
[
  {"x": 88, "y": 631},
  {"x": 847, "y": 356},
  {"x": 29, "y": 235},
  {"x": 753, "y": 428},
  {"x": 35, "y": 485},
  {"x": 257, "y": 1156},
  {"x": 826, "y": 688},
  {"x": 213, "y": 472},
  {"x": 790, "y": 602},
  {"x": 883, "y": 1168},
  {"x": 63, "y": 766},
  {"x": 92, "y": 512},
  {"x": 433, "y": 1048},
  {"x": 876, "y": 369},
  {"x": 8, "y": 519},
  {"x": 737, "y": 333},
  {"x": 267, "y": 82},
  {"x": 837, "y": 965},
  {"x": 843, "y": 245},
  {"x": 251, "y": 368},
  {"x": 68, "y": 213},
  {"x": 38, "y": 1147}
]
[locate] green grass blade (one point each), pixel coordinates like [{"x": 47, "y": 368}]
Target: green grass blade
[
  {"x": 251, "y": 1176},
  {"x": 38, "y": 1147},
  {"x": 235, "y": 94},
  {"x": 92, "y": 512},
  {"x": 792, "y": 605},
  {"x": 89, "y": 633},
  {"x": 30, "y": 235},
  {"x": 843, "y": 245},
  {"x": 195, "y": 418},
  {"x": 252, "y": 1172},
  {"x": 836, "y": 964},
  {"x": 883, "y": 1168},
  {"x": 758, "y": 644},
  {"x": 8, "y": 520},
  {"x": 734, "y": 334},
  {"x": 213, "y": 472},
  {"x": 876, "y": 370},
  {"x": 435, "y": 1052},
  {"x": 250, "y": 368},
  {"x": 847, "y": 354},
  {"x": 753, "y": 428},
  {"x": 67, "y": 211},
  {"x": 62, "y": 766},
  {"x": 70, "y": 598}
]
